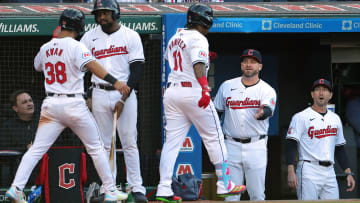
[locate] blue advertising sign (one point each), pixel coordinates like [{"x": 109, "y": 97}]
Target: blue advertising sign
[
  {"x": 189, "y": 158},
  {"x": 286, "y": 25}
]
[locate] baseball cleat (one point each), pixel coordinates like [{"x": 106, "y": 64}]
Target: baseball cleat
[
  {"x": 16, "y": 195},
  {"x": 139, "y": 197},
  {"x": 238, "y": 189},
  {"x": 170, "y": 199},
  {"x": 115, "y": 195}
]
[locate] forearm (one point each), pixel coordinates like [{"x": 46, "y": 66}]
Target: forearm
[
  {"x": 291, "y": 168},
  {"x": 96, "y": 69},
  {"x": 199, "y": 70},
  {"x": 267, "y": 112},
  {"x": 99, "y": 71}
]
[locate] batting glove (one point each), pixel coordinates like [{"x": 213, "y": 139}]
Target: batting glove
[{"x": 205, "y": 98}]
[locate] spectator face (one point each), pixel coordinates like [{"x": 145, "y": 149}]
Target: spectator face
[{"x": 24, "y": 104}]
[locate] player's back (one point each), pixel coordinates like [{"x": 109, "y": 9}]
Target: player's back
[
  {"x": 185, "y": 49},
  {"x": 62, "y": 60}
]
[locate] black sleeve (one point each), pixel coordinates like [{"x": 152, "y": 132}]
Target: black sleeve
[
  {"x": 220, "y": 113},
  {"x": 267, "y": 113},
  {"x": 291, "y": 148},
  {"x": 341, "y": 156},
  {"x": 135, "y": 74}
]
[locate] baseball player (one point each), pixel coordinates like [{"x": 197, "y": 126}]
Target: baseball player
[
  {"x": 119, "y": 49},
  {"x": 247, "y": 102},
  {"x": 187, "y": 101},
  {"x": 317, "y": 133},
  {"x": 64, "y": 61}
]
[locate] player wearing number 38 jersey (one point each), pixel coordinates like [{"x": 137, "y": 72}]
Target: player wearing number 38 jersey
[
  {"x": 187, "y": 101},
  {"x": 64, "y": 61}
]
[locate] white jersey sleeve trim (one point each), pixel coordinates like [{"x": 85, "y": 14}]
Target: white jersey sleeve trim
[
  {"x": 199, "y": 61},
  {"x": 82, "y": 67},
  {"x": 292, "y": 138},
  {"x": 135, "y": 60},
  {"x": 341, "y": 144}
]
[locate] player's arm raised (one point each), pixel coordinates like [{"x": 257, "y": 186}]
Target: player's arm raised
[
  {"x": 99, "y": 71},
  {"x": 200, "y": 73}
]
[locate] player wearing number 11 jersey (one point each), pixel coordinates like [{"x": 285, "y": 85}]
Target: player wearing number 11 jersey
[{"x": 187, "y": 101}]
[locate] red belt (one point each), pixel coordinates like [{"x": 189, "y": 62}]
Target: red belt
[{"x": 182, "y": 84}]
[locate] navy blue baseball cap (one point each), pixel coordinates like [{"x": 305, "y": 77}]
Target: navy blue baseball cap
[
  {"x": 252, "y": 53},
  {"x": 322, "y": 82}
]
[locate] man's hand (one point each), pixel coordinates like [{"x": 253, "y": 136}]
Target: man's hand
[
  {"x": 122, "y": 87},
  {"x": 350, "y": 183},
  {"x": 205, "y": 98},
  {"x": 292, "y": 179},
  {"x": 119, "y": 106},
  {"x": 89, "y": 103},
  {"x": 260, "y": 112}
]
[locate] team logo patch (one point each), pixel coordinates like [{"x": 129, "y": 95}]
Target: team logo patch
[
  {"x": 272, "y": 101},
  {"x": 202, "y": 55},
  {"x": 86, "y": 55},
  {"x": 289, "y": 130}
]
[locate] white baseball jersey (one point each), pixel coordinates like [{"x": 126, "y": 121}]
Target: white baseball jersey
[
  {"x": 62, "y": 60},
  {"x": 185, "y": 49},
  {"x": 316, "y": 135},
  {"x": 241, "y": 103},
  {"x": 115, "y": 52}
]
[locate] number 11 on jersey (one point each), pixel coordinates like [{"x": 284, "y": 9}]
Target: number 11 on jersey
[{"x": 177, "y": 60}]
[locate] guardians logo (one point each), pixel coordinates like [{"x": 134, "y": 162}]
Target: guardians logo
[
  {"x": 245, "y": 104},
  {"x": 112, "y": 51},
  {"x": 321, "y": 133}
]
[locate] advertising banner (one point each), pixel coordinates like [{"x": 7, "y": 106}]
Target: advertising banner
[
  {"x": 45, "y": 26},
  {"x": 286, "y": 25}
]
